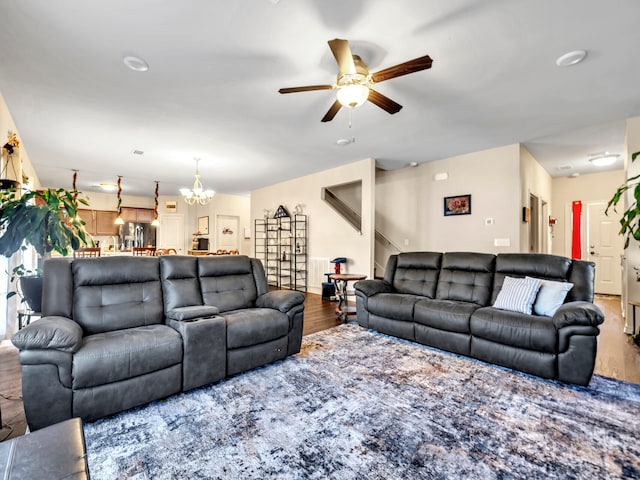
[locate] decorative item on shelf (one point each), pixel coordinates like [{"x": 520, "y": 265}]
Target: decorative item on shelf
[
  {"x": 281, "y": 212},
  {"x": 119, "y": 220},
  {"x": 197, "y": 194},
  {"x": 11, "y": 170},
  {"x": 155, "y": 221},
  {"x": 194, "y": 241},
  {"x": 12, "y": 142},
  {"x": 297, "y": 210}
]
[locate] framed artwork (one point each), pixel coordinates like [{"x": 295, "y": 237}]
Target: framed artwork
[
  {"x": 203, "y": 225},
  {"x": 458, "y": 205}
]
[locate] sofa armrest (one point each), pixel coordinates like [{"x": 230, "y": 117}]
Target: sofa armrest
[
  {"x": 578, "y": 313},
  {"x": 282, "y": 300},
  {"x": 50, "y": 333},
  {"x": 368, "y": 288},
  {"x": 192, "y": 312}
]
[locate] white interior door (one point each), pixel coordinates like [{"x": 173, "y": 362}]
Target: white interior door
[
  {"x": 227, "y": 232},
  {"x": 605, "y": 249},
  {"x": 171, "y": 232}
]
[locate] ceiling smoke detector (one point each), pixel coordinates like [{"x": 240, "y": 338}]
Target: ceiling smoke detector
[
  {"x": 136, "y": 64},
  {"x": 571, "y": 58}
]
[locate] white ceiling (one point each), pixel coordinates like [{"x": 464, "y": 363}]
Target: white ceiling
[{"x": 216, "y": 66}]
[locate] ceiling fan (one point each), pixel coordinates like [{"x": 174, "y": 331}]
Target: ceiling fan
[{"x": 354, "y": 83}]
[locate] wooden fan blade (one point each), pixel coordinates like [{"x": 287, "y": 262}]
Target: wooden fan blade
[
  {"x": 342, "y": 52},
  {"x": 405, "y": 68},
  {"x": 308, "y": 88},
  {"x": 332, "y": 112},
  {"x": 383, "y": 102}
]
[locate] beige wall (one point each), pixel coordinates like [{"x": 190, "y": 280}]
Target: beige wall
[
  {"x": 534, "y": 181},
  {"x": 409, "y": 203},
  {"x": 329, "y": 235}
]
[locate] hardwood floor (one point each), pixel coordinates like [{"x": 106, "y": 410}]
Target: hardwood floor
[{"x": 618, "y": 356}]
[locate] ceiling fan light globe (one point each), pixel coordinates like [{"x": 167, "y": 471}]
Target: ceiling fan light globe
[{"x": 353, "y": 96}]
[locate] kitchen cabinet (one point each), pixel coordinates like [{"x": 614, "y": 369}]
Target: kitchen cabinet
[
  {"x": 137, "y": 215},
  {"x": 99, "y": 222},
  {"x": 105, "y": 222}
]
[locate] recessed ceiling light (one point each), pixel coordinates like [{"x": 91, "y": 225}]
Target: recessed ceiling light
[
  {"x": 136, "y": 64},
  {"x": 344, "y": 141},
  {"x": 571, "y": 58},
  {"x": 604, "y": 160},
  {"x": 413, "y": 164}
]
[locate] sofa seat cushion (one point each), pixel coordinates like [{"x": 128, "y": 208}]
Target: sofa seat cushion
[
  {"x": 253, "y": 326},
  {"x": 118, "y": 355},
  {"x": 530, "y": 332},
  {"x": 445, "y": 314},
  {"x": 398, "y": 306}
]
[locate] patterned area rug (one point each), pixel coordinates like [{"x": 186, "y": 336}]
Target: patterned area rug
[{"x": 356, "y": 404}]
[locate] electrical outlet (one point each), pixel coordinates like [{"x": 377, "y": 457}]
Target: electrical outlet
[
  {"x": 501, "y": 242},
  {"x": 488, "y": 221}
]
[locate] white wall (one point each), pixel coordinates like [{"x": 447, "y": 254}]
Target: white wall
[
  {"x": 329, "y": 235},
  {"x": 595, "y": 187},
  {"x": 409, "y": 203}
]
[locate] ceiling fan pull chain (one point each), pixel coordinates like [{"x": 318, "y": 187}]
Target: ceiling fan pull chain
[{"x": 353, "y": 135}]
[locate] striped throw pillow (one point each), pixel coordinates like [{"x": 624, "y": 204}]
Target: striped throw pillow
[{"x": 517, "y": 294}]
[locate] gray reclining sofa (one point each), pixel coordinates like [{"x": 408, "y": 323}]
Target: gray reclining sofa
[
  {"x": 445, "y": 300},
  {"x": 118, "y": 332}
]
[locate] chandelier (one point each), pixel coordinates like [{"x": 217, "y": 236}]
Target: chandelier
[{"x": 197, "y": 194}]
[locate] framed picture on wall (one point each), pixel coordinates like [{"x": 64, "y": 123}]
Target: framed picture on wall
[
  {"x": 203, "y": 225},
  {"x": 458, "y": 205}
]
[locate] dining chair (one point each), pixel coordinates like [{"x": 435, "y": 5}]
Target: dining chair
[
  {"x": 144, "y": 251},
  {"x": 86, "y": 252},
  {"x": 166, "y": 251}
]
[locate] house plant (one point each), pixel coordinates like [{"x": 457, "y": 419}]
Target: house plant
[
  {"x": 630, "y": 220},
  {"x": 47, "y": 220}
]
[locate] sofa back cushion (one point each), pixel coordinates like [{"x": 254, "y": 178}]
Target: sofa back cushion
[
  {"x": 415, "y": 273},
  {"x": 537, "y": 265},
  {"x": 582, "y": 275},
  {"x": 180, "y": 282},
  {"x": 227, "y": 281},
  {"x": 466, "y": 277},
  {"x": 112, "y": 293}
]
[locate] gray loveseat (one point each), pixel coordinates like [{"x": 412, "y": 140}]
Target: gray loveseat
[
  {"x": 118, "y": 332},
  {"x": 446, "y": 300}
]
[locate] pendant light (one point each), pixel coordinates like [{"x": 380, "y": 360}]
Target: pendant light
[
  {"x": 155, "y": 222},
  {"x": 197, "y": 194},
  {"x": 119, "y": 220}
]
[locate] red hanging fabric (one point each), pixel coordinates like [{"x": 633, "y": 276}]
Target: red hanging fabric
[{"x": 576, "y": 230}]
